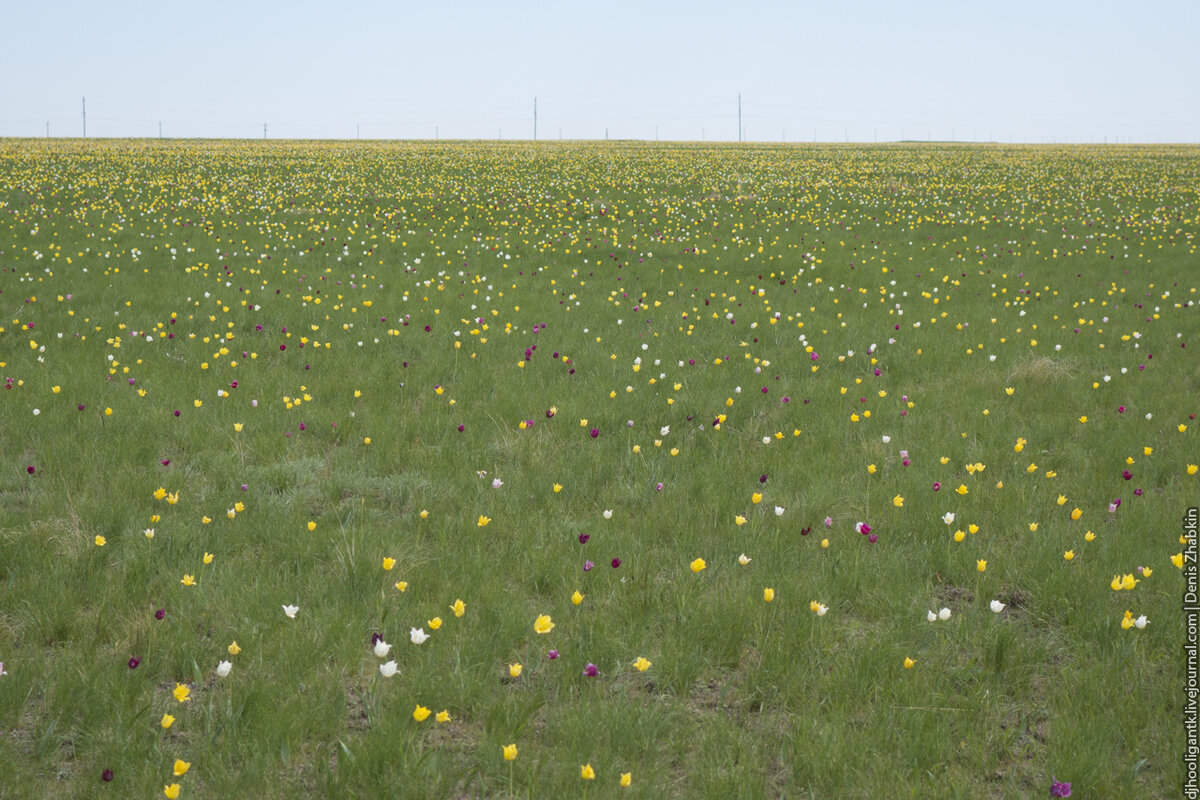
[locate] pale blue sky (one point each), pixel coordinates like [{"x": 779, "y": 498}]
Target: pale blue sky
[{"x": 1006, "y": 70}]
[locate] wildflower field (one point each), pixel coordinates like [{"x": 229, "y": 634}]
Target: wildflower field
[{"x": 608, "y": 470}]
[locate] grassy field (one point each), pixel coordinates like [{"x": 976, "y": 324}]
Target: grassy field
[{"x": 737, "y": 419}]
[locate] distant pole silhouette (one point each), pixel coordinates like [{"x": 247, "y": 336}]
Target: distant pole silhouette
[
  {"x": 739, "y": 116},
  {"x": 535, "y": 117},
  {"x": 47, "y": 129},
  {"x": 85, "y": 117},
  {"x": 160, "y": 130}
]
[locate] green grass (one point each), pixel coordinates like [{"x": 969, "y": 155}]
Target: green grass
[{"x": 718, "y": 267}]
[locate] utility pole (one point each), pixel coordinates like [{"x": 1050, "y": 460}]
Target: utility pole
[
  {"x": 160, "y": 130},
  {"x": 785, "y": 134},
  {"x": 535, "y": 117},
  {"x": 739, "y": 116},
  {"x": 656, "y": 133},
  {"x": 357, "y": 130},
  {"x": 48, "y": 130},
  {"x": 437, "y": 132},
  {"x": 85, "y": 117},
  {"x": 264, "y": 130}
]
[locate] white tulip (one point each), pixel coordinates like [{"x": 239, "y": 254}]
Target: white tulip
[
  {"x": 944, "y": 614},
  {"x": 779, "y": 511},
  {"x": 932, "y": 617},
  {"x": 997, "y": 606},
  {"x": 223, "y": 669},
  {"x": 418, "y": 635},
  {"x": 1141, "y": 622},
  {"x": 388, "y": 670},
  {"x": 382, "y": 648},
  {"x": 291, "y": 611},
  {"x": 607, "y": 513},
  {"x": 948, "y": 518}
]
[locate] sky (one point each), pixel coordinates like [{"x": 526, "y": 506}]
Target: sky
[{"x": 1007, "y": 70}]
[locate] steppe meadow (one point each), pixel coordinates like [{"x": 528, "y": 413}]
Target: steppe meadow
[{"x": 612, "y": 469}]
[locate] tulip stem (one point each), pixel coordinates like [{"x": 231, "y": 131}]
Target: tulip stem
[{"x": 767, "y": 634}]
